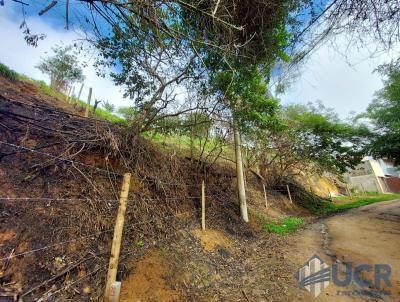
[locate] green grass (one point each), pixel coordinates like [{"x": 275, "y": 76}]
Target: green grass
[
  {"x": 46, "y": 89},
  {"x": 8, "y": 72},
  {"x": 331, "y": 207},
  {"x": 139, "y": 244},
  {"x": 286, "y": 226},
  {"x": 183, "y": 143},
  {"x": 102, "y": 113},
  {"x": 109, "y": 116}
]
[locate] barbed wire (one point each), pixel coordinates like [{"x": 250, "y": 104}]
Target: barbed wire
[
  {"x": 52, "y": 199},
  {"x": 53, "y": 245},
  {"x": 155, "y": 181},
  {"x": 49, "y": 199},
  {"x": 123, "y": 256},
  {"x": 59, "y": 158},
  {"x": 103, "y": 200},
  {"x": 84, "y": 237}
]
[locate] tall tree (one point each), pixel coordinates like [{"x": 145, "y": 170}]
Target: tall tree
[
  {"x": 150, "y": 66},
  {"x": 384, "y": 113},
  {"x": 63, "y": 67},
  {"x": 312, "y": 139},
  {"x": 244, "y": 93}
]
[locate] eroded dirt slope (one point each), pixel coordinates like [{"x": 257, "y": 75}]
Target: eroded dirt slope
[{"x": 60, "y": 176}]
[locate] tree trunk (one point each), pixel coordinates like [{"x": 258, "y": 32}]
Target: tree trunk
[{"x": 239, "y": 173}]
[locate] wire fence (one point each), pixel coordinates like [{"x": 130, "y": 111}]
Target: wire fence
[
  {"x": 95, "y": 235},
  {"x": 81, "y": 238}
]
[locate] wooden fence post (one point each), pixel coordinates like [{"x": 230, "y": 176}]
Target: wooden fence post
[
  {"x": 116, "y": 244},
  {"x": 265, "y": 197},
  {"x": 80, "y": 92},
  {"x": 88, "y": 102},
  {"x": 290, "y": 195},
  {"x": 69, "y": 93},
  {"x": 203, "y": 206}
]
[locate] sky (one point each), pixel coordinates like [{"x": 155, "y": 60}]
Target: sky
[
  {"x": 342, "y": 77},
  {"x": 346, "y": 83},
  {"x": 16, "y": 54}
]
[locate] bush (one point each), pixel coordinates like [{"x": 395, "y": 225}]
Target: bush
[{"x": 8, "y": 73}]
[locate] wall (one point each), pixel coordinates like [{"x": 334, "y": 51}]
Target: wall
[
  {"x": 376, "y": 167},
  {"x": 368, "y": 182},
  {"x": 393, "y": 184}
]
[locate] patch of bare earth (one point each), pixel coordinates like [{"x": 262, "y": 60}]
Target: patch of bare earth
[
  {"x": 150, "y": 280},
  {"x": 212, "y": 240}
]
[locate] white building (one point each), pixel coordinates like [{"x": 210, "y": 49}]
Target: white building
[{"x": 374, "y": 176}]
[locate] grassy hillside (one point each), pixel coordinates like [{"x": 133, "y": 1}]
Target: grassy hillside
[{"x": 100, "y": 113}]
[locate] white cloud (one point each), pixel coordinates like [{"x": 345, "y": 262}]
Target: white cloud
[
  {"x": 327, "y": 76},
  {"x": 16, "y": 54},
  {"x": 340, "y": 76}
]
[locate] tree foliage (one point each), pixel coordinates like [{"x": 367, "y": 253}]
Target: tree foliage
[
  {"x": 63, "y": 67},
  {"x": 384, "y": 113},
  {"x": 310, "y": 140},
  {"x": 108, "y": 106}
]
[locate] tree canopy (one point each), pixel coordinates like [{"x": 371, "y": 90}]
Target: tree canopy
[
  {"x": 384, "y": 113},
  {"x": 310, "y": 140},
  {"x": 63, "y": 67}
]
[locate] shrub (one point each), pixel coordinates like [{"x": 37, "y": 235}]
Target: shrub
[{"x": 8, "y": 73}]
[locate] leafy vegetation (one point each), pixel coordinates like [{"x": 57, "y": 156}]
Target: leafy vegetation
[
  {"x": 8, "y": 73},
  {"x": 308, "y": 139},
  {"x": 331, "y": 207},
  {"x": 109, "y": 107},
  {"x": 139, "y": 244},
  {"x": 48, "y": 90},
  {"x": 286, "y": 226},
  {"x": 223, "y": 63},
  {"x": 384, "y": 113},
  {"x": 63, "y": 68}
]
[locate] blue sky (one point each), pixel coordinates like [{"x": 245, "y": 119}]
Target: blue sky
[
  {"x": 340, "y": 75},
  {"x": 23, "y": 58}
]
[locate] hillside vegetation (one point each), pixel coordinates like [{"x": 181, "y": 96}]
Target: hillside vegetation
[{"x": 62, "y": 170}]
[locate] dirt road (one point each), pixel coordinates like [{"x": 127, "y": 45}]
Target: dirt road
[
  {"x": 367, "y": 235},
  {"x": 203, "y": 266}
]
